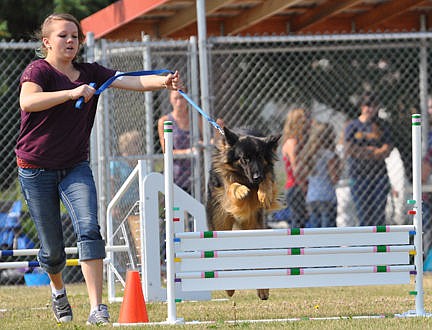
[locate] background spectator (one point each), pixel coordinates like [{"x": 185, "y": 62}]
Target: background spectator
[
  {"x": 294, "y": 136},
  {"x": 129, "y": 144},
  {"x": 368, "y": 143},
  {"x": 321, "y": 168},
  {"x": 179, "y": 115}
]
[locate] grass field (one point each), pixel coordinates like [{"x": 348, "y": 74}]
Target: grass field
[{"x": 24, "y": 307}]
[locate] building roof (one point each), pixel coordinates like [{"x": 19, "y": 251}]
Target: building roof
[{"x": 128, "y": 19}]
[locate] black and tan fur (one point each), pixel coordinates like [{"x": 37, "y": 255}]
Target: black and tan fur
[{"x": 242, "y": 183}]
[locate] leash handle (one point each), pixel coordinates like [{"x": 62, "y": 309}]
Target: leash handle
[{"x": 80, "y": 102}]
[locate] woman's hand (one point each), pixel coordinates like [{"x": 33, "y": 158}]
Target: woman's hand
[
  {"x": 173, "y": 81},
  {"x": 85, "y": 91}
]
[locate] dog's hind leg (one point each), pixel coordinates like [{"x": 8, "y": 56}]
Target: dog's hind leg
[
  {"x": 257, "y": 222},
  {"x": 230, "y": 293},
  {"x": 263, "y": 294}
]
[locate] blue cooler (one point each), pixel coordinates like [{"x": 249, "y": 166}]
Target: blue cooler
[{"x": 36, "y": 279}]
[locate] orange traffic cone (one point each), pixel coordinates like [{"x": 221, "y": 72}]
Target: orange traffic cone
[{"x": 133, "y": 308}]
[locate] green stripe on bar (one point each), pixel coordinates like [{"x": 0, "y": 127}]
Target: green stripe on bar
[
  {"x": 295, "y": 251},
  {"x": 169, "y": 130},
  {"x": 176, "y": 208},
  {"x": 295, "y": 231},
  {"x": 178, "y": 300},
  {"x": 209, "y": 274},
  {"x": 411, "y": 201},
  {"x": 295, "y": 271},
  {"x": 381, "y": 269},
  {"x": 381, "y": 248},
  {"x": 413, "y": 293},
  {"x": 208, "y": 254},
  {"x": 416, "y": 124},
  {"x": 208, "y": 234},
  {"x": 381, "y": 229}
]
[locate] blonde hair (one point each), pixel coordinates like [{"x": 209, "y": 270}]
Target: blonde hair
[
  {"x": 128, "y": 141},
  {"x": 295, "y": 124},
  {"x": 41, "y": 51}
]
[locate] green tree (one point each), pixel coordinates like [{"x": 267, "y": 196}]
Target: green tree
[
  {"x": 19, "y": 19},
  {"x": 4, "y": 30}
]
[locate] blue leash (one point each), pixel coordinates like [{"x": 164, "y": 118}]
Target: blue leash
[{"x": 107, "y": 83}]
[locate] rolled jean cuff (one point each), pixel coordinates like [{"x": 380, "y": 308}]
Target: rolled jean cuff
[
  {"x": 88, "y": 250},
  {"x": 52, "y": 269}
]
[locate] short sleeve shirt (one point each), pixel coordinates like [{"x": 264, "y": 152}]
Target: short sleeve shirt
[
  {"x": 372, "y": 133},
  {"x": 58, "y": 137}
]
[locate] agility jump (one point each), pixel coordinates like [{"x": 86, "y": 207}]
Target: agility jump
[{"x": 312, "y": 257}]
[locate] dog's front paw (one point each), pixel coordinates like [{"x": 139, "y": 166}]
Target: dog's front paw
[
  {"x": 264, "y": 198},
  {"x": 239, "y": 191}
]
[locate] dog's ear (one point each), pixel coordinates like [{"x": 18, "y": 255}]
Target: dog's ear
[
  {"x": 230, "y": 136},
  {"x": 273, "y": 140}
]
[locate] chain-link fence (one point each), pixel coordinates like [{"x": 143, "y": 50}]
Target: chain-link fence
[{"x": 255, "y": 82}]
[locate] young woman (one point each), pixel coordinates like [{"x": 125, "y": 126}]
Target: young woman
[
  {"x": 179, "y": 115},
  {"x": 53, "y": 150},
  {"x": 295, "y": 132}
]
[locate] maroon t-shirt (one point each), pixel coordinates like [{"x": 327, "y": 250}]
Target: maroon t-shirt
[{"x": 58, "y": 137}]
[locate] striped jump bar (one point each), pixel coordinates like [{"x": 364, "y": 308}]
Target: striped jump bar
[
  {"x": 68, "y": 250},
  {"x": 293, "y": 271},
  {"x": 296, "y": 231},
  {"x": 35, "y": 263},
  {"x": 294, "y": 251}
]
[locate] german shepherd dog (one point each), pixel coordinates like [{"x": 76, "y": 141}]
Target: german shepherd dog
[{"x": 242, "y": 183}]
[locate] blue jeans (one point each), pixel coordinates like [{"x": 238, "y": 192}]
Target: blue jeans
[
  {"x": 321, "y": 214},
  {"x": 296, "y": 202},
  {"x": 370, "y": 199},
  {"x": 43, "y": 189}
]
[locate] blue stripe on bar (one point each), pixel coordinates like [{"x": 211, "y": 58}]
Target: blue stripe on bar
[
  {"x": 6, "y": 253},
  {"x": 33, "y": 264}
]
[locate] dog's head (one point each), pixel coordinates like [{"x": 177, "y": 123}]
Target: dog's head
[{"x": 249, "y": 154}]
